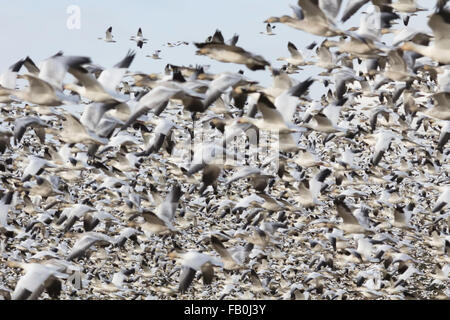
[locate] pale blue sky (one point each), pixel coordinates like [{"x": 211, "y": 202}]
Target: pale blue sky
[{"x": 38, "y": 29}]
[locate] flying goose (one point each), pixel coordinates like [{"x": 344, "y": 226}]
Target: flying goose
[
  {"x": 383, "y": 143},
  {"x": 53, "y": 70},
  {"x": 158, "y": 98},
  {"x": 438, "y": 51},
  {"x": 441, "y": 108},
  {"x": 269, "y": 29},
  {"x": 232, "y": 258},
  {"x": 40, "y": 92},
  {"x": 193, "y": 262},
  {"x": 350, "y": 223},
  {"x": 296, "y": 58},
  {"x": 37, "y": 278},
  {"x": 21, "y": 125},
  {"x": 155, "y": 55},
  {"x": 139, "y": 38},
  {"x": 310, "y": 17},
  {"x": 108, "y": 36},
  {"x": 46, "y": 88},
  {"x": 405, "y": 6},
  {"x": 161, "y": 221},
  {"x": 226, "y": 53},
  {"x": 87, "y": 240},
  {"x": 104, "y": 88},
  {"x": 161, "y": 131},
  {"x": 274, "y": 122}
]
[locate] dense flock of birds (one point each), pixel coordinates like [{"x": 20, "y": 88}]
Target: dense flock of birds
[{"x": 127, "y": 185}]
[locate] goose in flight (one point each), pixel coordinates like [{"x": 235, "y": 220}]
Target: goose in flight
[
  {"x": 87, "y": 240},
  {"x": 103, "y": 89},
  {"x": 161, "y": 221},
  {"x": 406, "y": 6},
  {"x": 296, "y": 59},
  {"x": 139, "y": 38},
  {"x": 21, "y": 125},
  {"x": 383, "y": 143},
  {"x": 350, "y": 222},
  {"x": 233, "y": 258},
  {"x": 218, "y": 50},
  {"x": 310, "y": 17},
  {"x": 74, "y": 131},
  {"x": 158, "y": 98},
  {"x": 269, "y": 30},
  {"x": 108, "y": 36},
  {"x": 439, "y": 50},
  {"x": 193, "y": 262},
  {"x": 441, "y": 108},
  {"x": 155, "y": 55},
  {"x": 42, "y": 93},
  {"x": 53, "y": 70},
  {"x": 46, "y": 88},
  {"x": 37, "y": 278}
]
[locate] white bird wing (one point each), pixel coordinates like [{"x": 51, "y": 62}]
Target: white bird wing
[
  {"x": 111, "y": 78},
  {"x": 269, "y": 111},
  {"x": 294, "y": 51},
  {"x": 87, "y": 80},
  {"x": 152, "y": 100},
  {"x": 109, "y": 35},
  {"x": 286, "y": 105},
  {"x": 34, "y": 278},
  {"x": 441, "y": 31},
  {"x": 330, "y": 8},
  {"x": 54, "y": 69},
  {"x": 37, "y": 85},
  {"x": 9, "y": 77}
]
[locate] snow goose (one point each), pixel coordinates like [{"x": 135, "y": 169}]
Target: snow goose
[
  {"x": 37, "y": 278},
  {"x": 268, "y": 31},
  {"x": 225, "y": 53},
  {"x": 439, "y": 51},
  {"x": 103, "y": 89},
  {"x": 161, "y": 131},
  {"x": 383, "y": 143},
  {"x": 21, "y": 125},
  {"x": 158, "y": 98},
  {"x": 296, "y": 58},
  {"x": 193, "y": 262},
  {"x": 45, "y": 89},
  {"x": 233, "y": 258},
  {"x": 53, "y": 70},
  {"x": 155, "y": 55},
  {"x": 139, "y": 38},
  {"x": 443, "y": 199},
  {"x": 108, "y": 36},
  {"x": 273, "y": 121},
  {"x": 75, "y": 132},
  {"x": 162, "y": 220},
  {"x": 309, "y": 17},
  {"x": 441, "y": 108},
  {"x": 87, "y": 240},
  {"x": 40, "y": 92},
  {"x": 405, "y": 6},
  {"x": 350, "y": 222}
]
